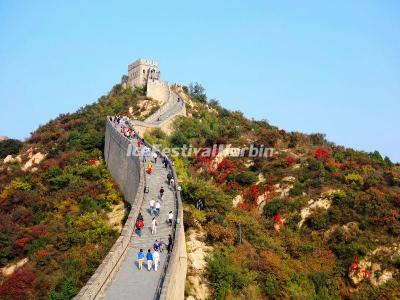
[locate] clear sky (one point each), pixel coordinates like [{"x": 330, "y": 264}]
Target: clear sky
[{"x": 311, "y": 66}]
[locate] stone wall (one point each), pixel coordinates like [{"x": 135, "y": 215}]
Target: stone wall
[
  {"x": 124, "y": 169},
  {"x": 167, "y": 116},
  {"x": 158, "y": 90}
]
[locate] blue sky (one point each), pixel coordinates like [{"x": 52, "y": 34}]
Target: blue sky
[{"x": 311, "y": 66}]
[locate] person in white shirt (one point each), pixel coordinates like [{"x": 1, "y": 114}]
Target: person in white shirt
[
  {"x": 156, "y": 259},
  {"x": 154, "y": 226},
  {"x": 170, "y": 217},
  {"x": 155, "y": 157},
  {"x": 152, "y": 204},
  {"x": 158, "y": 208}
]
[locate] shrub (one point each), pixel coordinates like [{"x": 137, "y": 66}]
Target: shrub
[
  {"x": 321, "y": 154},
  {"x": 317, "y": 138},
  {"x": 18, "y": 286},
  {"x": 272, "y": 207},
  {"x": 65, "y": 289},
  {"x": 214, "y": 199},
  {"x": 21, "y": 185},
  {"x": 224, "y": 276},
  {"x": 9, "y": 147},
  {"x": 318, "y": 220},
  {"x": 243, "y": 178},
  {"x": 88, "y": 205},
  {"x": 271, "y": 286},
  {"x": 354, "y": 179}
]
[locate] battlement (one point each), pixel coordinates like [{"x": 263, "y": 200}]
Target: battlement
[
  {"x": 141, "y": 71},
  {"x": 141, "y": 61}
]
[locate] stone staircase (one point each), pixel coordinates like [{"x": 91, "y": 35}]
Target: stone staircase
[{"x": 129, "y": 282}]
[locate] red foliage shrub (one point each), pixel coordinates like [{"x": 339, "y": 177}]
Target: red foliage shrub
[
  {"x": 335, "y": 175},
  {"x": 71, "y": 124},
  {"x": 18, "y": 286},
  {"x": 221, "y": 234},
  {"x": 321, "y": 154},
  {"x": 278, "y": 219},
  {"x": 354, "y": 265},
  {"x": 42, "y": 253},
  {"x": 50, "y": 163},
  {"x": 246, "y": 206},
  {"x": 224, "y": 169},
  {"x": 252, "y": 193},
  {"x": 93, "y": 162},
  {"x": 207, "y": 154},
  {"x": 39, "y": 231},
  {"x": 290, "y": 161},
  {"x": 22, "y": 242},
  {"x": 225, "y": 165}
]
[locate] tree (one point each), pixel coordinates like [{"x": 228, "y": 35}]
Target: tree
[
  {"x": 197, "y": 92},
  {"x": 9, "y": 147},
  {"x": 124, "y": 78}
]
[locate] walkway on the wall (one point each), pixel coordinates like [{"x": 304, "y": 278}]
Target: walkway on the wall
[{"x": 129, "y": 282}]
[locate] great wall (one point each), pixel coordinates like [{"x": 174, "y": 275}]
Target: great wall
[{"x": 118, "y": 276}]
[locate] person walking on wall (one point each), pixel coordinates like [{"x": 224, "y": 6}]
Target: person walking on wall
[
  {"x": 166, "y": 162},
  {"x": 149, "y": 168},
  {"x": 161, "y": 193},
  {"x": 170, "y": 217},
  {"x": 154, "y": 226},
  {"x": 169, "y": 177},
  {"x": 149, "y": 258},
  {"x": 155, "y": 157},
  {"x": 169, "y": 246},
  {"x": 152, "y": 204},
  {"x": 156, "y": 259},
  {"x": 139, "y": 225},
  {"x": 158, "y": 208},
  {"x": 140, "y": 257},
  {"x": 156, "y": 245}
]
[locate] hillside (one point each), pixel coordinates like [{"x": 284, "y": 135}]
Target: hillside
[
  {"x": 339, "y": 209},
  {"x": 314, "y": 221}
]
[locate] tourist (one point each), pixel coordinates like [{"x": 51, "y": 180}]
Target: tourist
[
  {"x": 155, "y": 157},
  {"x": 140, "y": 216},
  {"x": 161, "y": 246},
  {"x": 169, "y": 246},
  {"x": 170, "y": 217},
  {"x": 156, "y": 258},
  {"x": 144, "y": 154},
  {"x": 140, "y": 257},
  {"x": 154, "y": 226},
  {"x": 161, "y": 193},
  {"x": 158, "y": 208},
  {"x": 172, "y": 183},
  {"x": 152, "y": 204},
  {"x": 169, "y": 177},
  {"x": 138, "y": 142},
  {"x": 166, "y": 162},
  {"x": 149, "y": 258},
  {"x": 156, "y": 245},
  {"x": 139, "y": 226},
  {"x": 149, "y": 168}
]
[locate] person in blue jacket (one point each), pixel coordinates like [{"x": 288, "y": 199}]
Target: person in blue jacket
[
  {"x": 149, "y": 257},
  {"x": 140, "y": 257}
]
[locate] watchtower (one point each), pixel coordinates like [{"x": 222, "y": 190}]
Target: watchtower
[{"x": 143, "y": 71}]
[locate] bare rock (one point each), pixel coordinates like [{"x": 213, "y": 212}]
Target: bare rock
[{"x": 9, "y": 270}]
